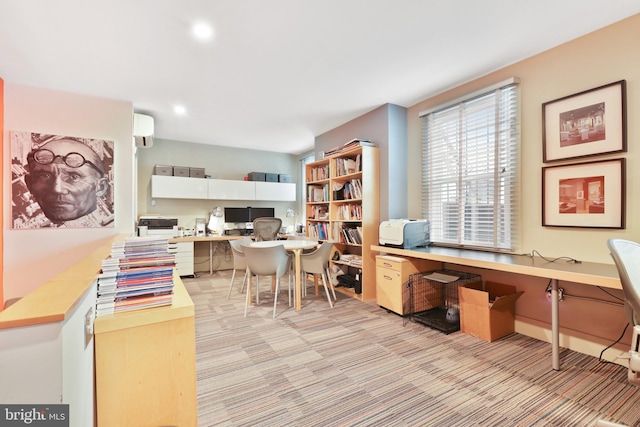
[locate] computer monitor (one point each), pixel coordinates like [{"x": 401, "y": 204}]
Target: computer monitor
[
  {"x": 261, "y": 213},
  {"x": 237, "y": 215}
]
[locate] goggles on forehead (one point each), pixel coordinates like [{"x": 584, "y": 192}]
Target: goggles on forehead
[{"x": 73, "y": 159}]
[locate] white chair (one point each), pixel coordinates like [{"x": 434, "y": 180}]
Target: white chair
[
  {"x": 626, "y": 256},
  {"x": 317, "y": 262},
  {"x": 239, "y": 261},
  {"x": 267, "y": 261}
]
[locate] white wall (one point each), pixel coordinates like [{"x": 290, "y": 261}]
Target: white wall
[{"x": 31, "y": 257}]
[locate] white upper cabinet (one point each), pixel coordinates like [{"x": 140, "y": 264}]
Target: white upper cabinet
[
  {"x": 177, "y": 187},
  {"x": 278, "y": 191},
  {"x": 227, "y": 189}
]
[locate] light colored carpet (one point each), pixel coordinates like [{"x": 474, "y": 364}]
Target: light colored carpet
[{"x": 357, "y": 365}]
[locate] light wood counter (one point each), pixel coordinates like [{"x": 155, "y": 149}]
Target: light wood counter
[{"x": 55, "y": 300}]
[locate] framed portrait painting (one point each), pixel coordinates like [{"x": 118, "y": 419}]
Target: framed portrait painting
[
  {"x": 588, "y": 123},
  {"x": 590, "y": 194},
  {"x": 61, "y": 181}
]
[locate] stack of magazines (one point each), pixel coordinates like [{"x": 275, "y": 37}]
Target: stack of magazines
[{"x": 138, "y": 274}]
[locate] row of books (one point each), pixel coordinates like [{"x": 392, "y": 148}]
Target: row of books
[
  {"x": 349, "y": 212},
  {"x": 346, "y": 166},
  {"x": 319, "y": 212},
  {"x": 319, "y": 173},
  {"x": 347, "y": 234},
  {"x": 318, "y": 193},
  {"x": 349, "y": 190},
  {"x": 319, "y": 230},
  {"x": 137, "y": 274}
]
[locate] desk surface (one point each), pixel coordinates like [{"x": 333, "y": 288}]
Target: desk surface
[
  {"x": 589, "y": 273},
  {"x": 203, "y": 238}
]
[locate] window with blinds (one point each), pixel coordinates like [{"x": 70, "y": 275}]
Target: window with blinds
[{"x": 470, "y": 169}]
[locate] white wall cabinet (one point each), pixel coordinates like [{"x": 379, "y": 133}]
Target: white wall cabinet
[
  {"x": 176, "y": 187},
  {"x": 279, "y": 191},
  {"x": 228, "y": 189}
]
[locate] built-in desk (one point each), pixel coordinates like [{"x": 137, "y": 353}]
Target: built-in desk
[
  {"x": 210, "y": 239},
  {"x": 588, "y": 273}
]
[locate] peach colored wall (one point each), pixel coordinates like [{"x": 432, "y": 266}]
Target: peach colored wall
[
  {"x": 1, "y": 186},
  {"x": 32, "y": 257},
  {"x": 602, "y": 57}
]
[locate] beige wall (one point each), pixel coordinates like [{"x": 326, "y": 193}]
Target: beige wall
[
  {"x": 602, "y": 57},
  {"x": 32, "y": 257},
  {"x": 219, "y": 162}
]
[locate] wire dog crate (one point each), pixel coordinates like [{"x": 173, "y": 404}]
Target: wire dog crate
[{"x": 433, "y": 298}]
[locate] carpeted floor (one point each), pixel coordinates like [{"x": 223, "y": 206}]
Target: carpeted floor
[{"x": 357, "y": 365}]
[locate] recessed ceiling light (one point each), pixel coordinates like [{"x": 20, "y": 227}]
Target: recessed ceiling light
[
  {"x": 180, "y": 110},
  {"x": 202, "y": 31}
]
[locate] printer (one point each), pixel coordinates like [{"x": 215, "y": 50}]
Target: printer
[
  {"x": 159, "y": 226},
  {"x": 404, "y": 233}
]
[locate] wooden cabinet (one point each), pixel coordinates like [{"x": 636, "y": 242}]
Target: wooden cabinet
[
  {"x": 183, "y": 252},
  {"x": 392, "y": 273},
  {"x": 145, "y": 365},
  {"x": 176, "y": 187},
  {"x": 343, "y": 206}
]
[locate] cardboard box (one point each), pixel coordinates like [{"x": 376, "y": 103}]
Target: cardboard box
[
  {"x": 488, "y": 313},
  {"x": 284, "y": 177},
  {"x": 180, "y": 171},
  {"x": 163, "y": 170},
  {"x": 257, "y": 176},
  {"x": 196, "y": 172},
  {"x": 271, "y": 177}
]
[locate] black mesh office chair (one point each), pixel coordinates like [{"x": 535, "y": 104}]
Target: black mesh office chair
[{"x": 266, "y": 228}]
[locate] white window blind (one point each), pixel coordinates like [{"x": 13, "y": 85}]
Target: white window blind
[{"x": 470, "y": 169}]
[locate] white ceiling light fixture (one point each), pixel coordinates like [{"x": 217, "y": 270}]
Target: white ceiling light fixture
[
  {"x": 202, "y": 31},
  {"x": 180, "y": 110}
]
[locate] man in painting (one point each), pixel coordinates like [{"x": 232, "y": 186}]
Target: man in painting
[{"x": 66, "y": 178}]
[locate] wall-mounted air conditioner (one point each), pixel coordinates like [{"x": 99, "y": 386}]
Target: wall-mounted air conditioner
[{"x": 142, "y": 130}]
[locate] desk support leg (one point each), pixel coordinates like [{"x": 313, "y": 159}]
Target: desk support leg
[
  {"x": 298, "y": 280},
  {"x": 210, "y": 257},
  {"x": 555, "y": 326}
]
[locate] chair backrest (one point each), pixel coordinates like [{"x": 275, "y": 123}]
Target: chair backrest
[
  {"x": 267, "y": 261},
  {"x": 266, "y": 228},
  {"x": 239, "y": 260},
  {"x": 316, "y": 261},
  {"x": 626, "y": 255}
]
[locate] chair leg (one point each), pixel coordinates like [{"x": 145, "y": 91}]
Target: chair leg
[
  {"x": 275, "y": 296},
  {"x": 244, "y": 280},
  {"x": 324, "y": 282},
  {"x": 246, "y": 299},
  {"x": 233, "y": 276},
  {"x": 333, "y": 290}
]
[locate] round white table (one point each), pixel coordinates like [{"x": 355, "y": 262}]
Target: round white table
[{"x": 295, "y": 246}]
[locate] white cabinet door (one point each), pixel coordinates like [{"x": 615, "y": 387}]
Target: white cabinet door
[
  {"x": 228, "y": 189},
  {"x": 278, "y": 191},
  {"x": 177, "y": 187}
]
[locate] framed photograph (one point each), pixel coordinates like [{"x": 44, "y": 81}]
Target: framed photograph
[
  {"x": 585, "y": 124},
  {"x": 590, "y": 194}
]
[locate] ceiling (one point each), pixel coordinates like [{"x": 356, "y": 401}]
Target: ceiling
[{"x": 276, "y": 73}]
